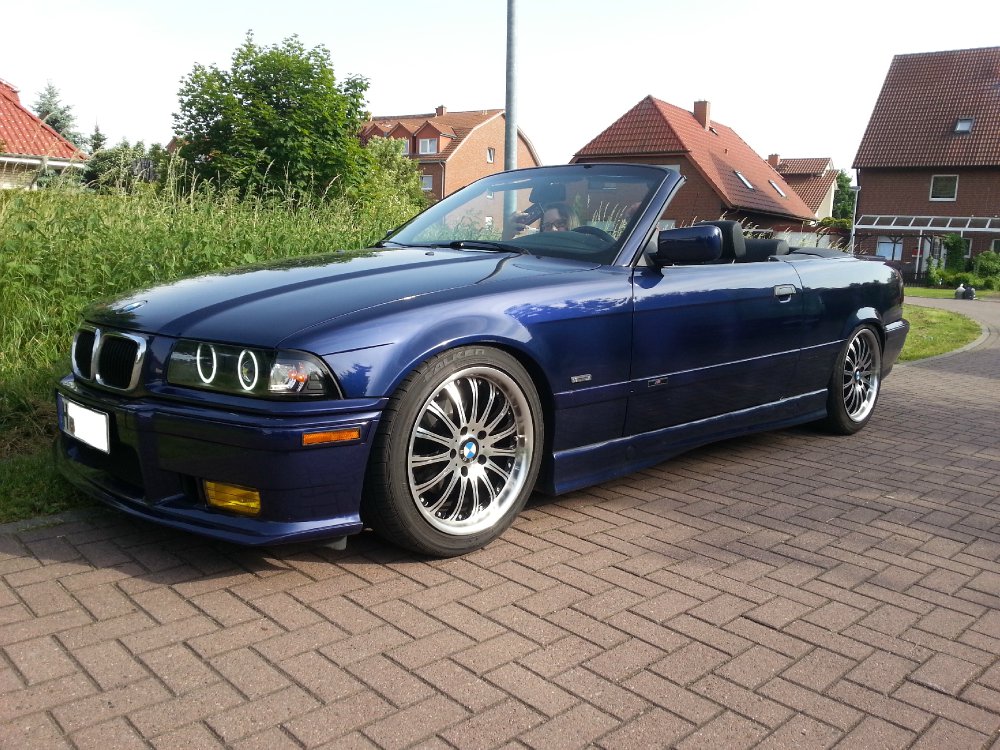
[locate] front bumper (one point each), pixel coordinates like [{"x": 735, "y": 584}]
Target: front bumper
[{"x": 161, "y": 451}]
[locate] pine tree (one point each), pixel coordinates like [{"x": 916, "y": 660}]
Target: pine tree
[
  {"x": 57, "y": 115},
  {"x": 97, "y": 140}
]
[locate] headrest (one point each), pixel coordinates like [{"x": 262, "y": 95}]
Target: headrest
[{"x": 733, "y": 245}]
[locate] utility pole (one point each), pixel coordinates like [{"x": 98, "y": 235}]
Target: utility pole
[{"x": 510, "y": 134}]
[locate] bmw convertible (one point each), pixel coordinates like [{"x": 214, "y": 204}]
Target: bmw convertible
[{"x": 536, "y": 330}]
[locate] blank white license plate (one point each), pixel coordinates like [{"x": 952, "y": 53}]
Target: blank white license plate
[{"x": 86, "y": 425}]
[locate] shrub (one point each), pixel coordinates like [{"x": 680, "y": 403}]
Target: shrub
[
  {"x": 935, "y": 275},
  {"x": 987, "y": 264},
  {"x": 969, "y": 279},
  {"x": 955, "y": 258}
]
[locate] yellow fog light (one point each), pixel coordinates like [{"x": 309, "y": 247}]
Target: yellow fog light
[
  {"x": 232, "y": 497},
  {"x": 332, "y": 436}
]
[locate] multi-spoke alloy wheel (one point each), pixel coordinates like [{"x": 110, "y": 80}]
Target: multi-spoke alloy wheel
[
  {"x": 861, "y": 379},
  {"x": 457, "y": 452},
  {"x": 854, "y": 385},
  {"x": 469, "y": 450}
]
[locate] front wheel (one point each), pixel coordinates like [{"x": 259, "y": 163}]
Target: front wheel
[
  {"x": 456, "y": 454},
  {"x": 854, "y": 383}
]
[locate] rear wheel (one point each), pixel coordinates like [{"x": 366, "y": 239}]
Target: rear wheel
[
  {"x": 854, "y": 384},
  {"x": 457, "y": 453}
]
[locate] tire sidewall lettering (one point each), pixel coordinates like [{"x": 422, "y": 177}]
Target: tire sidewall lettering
[{"x": 446, "y": 360}]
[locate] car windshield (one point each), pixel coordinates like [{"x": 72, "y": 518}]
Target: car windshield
[{"x": 578, "y": 212}]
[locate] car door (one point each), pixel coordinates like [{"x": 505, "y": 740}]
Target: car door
[{"x": 710, "y": 340}]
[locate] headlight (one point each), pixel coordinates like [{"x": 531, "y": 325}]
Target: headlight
[{"x": 246, "y": 371}]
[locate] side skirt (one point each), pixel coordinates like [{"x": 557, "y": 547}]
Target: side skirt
[{"x": 592, "y": 464}]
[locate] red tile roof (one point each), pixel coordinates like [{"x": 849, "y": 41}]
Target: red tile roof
[
  {"x": 811, "y": 178},
  {"x": 816, "y": 166},
  {"x": 922, "y": 98},
  {"x": 455, "y": 126},
  {"x": 813, "y": 188},
  {"x": 23, "y": 134},
  {"x": 655, "y": 128}
]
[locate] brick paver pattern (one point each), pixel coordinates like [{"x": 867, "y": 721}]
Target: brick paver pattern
[{"x": 790, "y": 589}]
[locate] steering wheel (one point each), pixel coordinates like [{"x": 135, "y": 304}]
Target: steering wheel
[{"x": 595, "y": 232}]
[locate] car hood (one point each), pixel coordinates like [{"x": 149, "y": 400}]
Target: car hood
[{"x": 264, "y": 305}]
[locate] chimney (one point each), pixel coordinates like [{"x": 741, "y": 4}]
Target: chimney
[
  {"x": 440, "y": 111},
  {"x": 774, "y": 160},
  {"x": 702, "y": 111}
]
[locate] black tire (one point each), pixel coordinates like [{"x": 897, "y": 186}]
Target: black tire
[
  {"x": 456, "y": 454},
  {"x": 854, "y": 383}
]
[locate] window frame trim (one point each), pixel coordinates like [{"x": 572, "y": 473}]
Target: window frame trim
[{"x": 952, "y": 199}]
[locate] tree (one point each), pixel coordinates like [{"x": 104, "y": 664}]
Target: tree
[
  {"x": 97, "y": 140},
  {"x": 843, "y": 197},
  {"x": 123, "y": 167},
  {"x": 278, "y": 118},
  {"x": 390, "y": 172},
  {"x": 57, "y": 115}
]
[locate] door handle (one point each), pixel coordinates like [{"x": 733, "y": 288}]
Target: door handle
[{"x": 784, "y": 291}]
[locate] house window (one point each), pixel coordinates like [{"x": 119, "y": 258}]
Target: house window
[
  {"x": 777, "y": 189},
  {"x": 491, "y": 155},
  {"x": 428, "y": 145},
  {"x": 944, "y": 187},
  {"x": 426, "y": 182},
  {"x": 744, "y": 180},
  {"x": 406, "y": 146},
  {"x": 890, "y": 248},
  {"x": 963, "y": 125},
  {"x": 995, "y": 246}
]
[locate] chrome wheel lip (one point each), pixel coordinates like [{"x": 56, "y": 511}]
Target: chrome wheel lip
[
  {"x": 470, "y": 450},
  {"x": 861, "y": 376}
]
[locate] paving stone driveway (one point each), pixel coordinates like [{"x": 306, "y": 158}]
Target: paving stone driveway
[{"x": 789, "y": 589}]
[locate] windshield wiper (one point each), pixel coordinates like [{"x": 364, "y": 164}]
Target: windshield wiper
[
  {"x": 386, "y": 243},
  {"x": 502, "y": 247}
]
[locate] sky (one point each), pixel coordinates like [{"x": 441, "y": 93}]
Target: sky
[{"x": 797, "y": 78}]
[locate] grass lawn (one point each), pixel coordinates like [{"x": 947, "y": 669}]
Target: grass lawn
[
  {"x": 943, "y": 293},
  {"x": 934, "y": 332}
]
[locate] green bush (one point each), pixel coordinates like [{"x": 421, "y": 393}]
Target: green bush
[
  {"x": 987, "y": 264},
  {"x": 955, "y": 259},
  {"x": 935, "y": 274},
  {"x": 969, "y": 279}
]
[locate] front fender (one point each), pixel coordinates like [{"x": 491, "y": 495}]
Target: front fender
[{"x": 380, "y": 369}]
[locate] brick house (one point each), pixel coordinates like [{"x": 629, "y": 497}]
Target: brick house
[
  {"x": 929, "y": 162},
  {"x": 29, "y": 147},
  {"x": 725, "y": 177},
  {"x": 814, "y": 181},
  {"x": 453, "y": 148}
]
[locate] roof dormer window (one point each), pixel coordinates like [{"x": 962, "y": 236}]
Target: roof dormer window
[
  {"x": 428, "y": 145},
  {"x": 744, "y": 180},
  {"x": 963, "y": 125},
  {"x": 777, "y": 189}
]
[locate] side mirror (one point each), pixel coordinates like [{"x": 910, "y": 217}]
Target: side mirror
[{"x": 698, "y": 244}]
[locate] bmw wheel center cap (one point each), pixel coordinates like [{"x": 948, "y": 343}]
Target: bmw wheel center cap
[{"x": 469, "y": 450}]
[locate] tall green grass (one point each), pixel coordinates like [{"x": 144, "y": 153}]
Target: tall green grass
[{"x": 61, "y": 249}]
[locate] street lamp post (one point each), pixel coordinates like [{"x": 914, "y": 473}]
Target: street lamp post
[{"x": 855, "y": 189}]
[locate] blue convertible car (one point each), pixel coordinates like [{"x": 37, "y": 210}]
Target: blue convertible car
[{"x": 534, "y": 330}]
